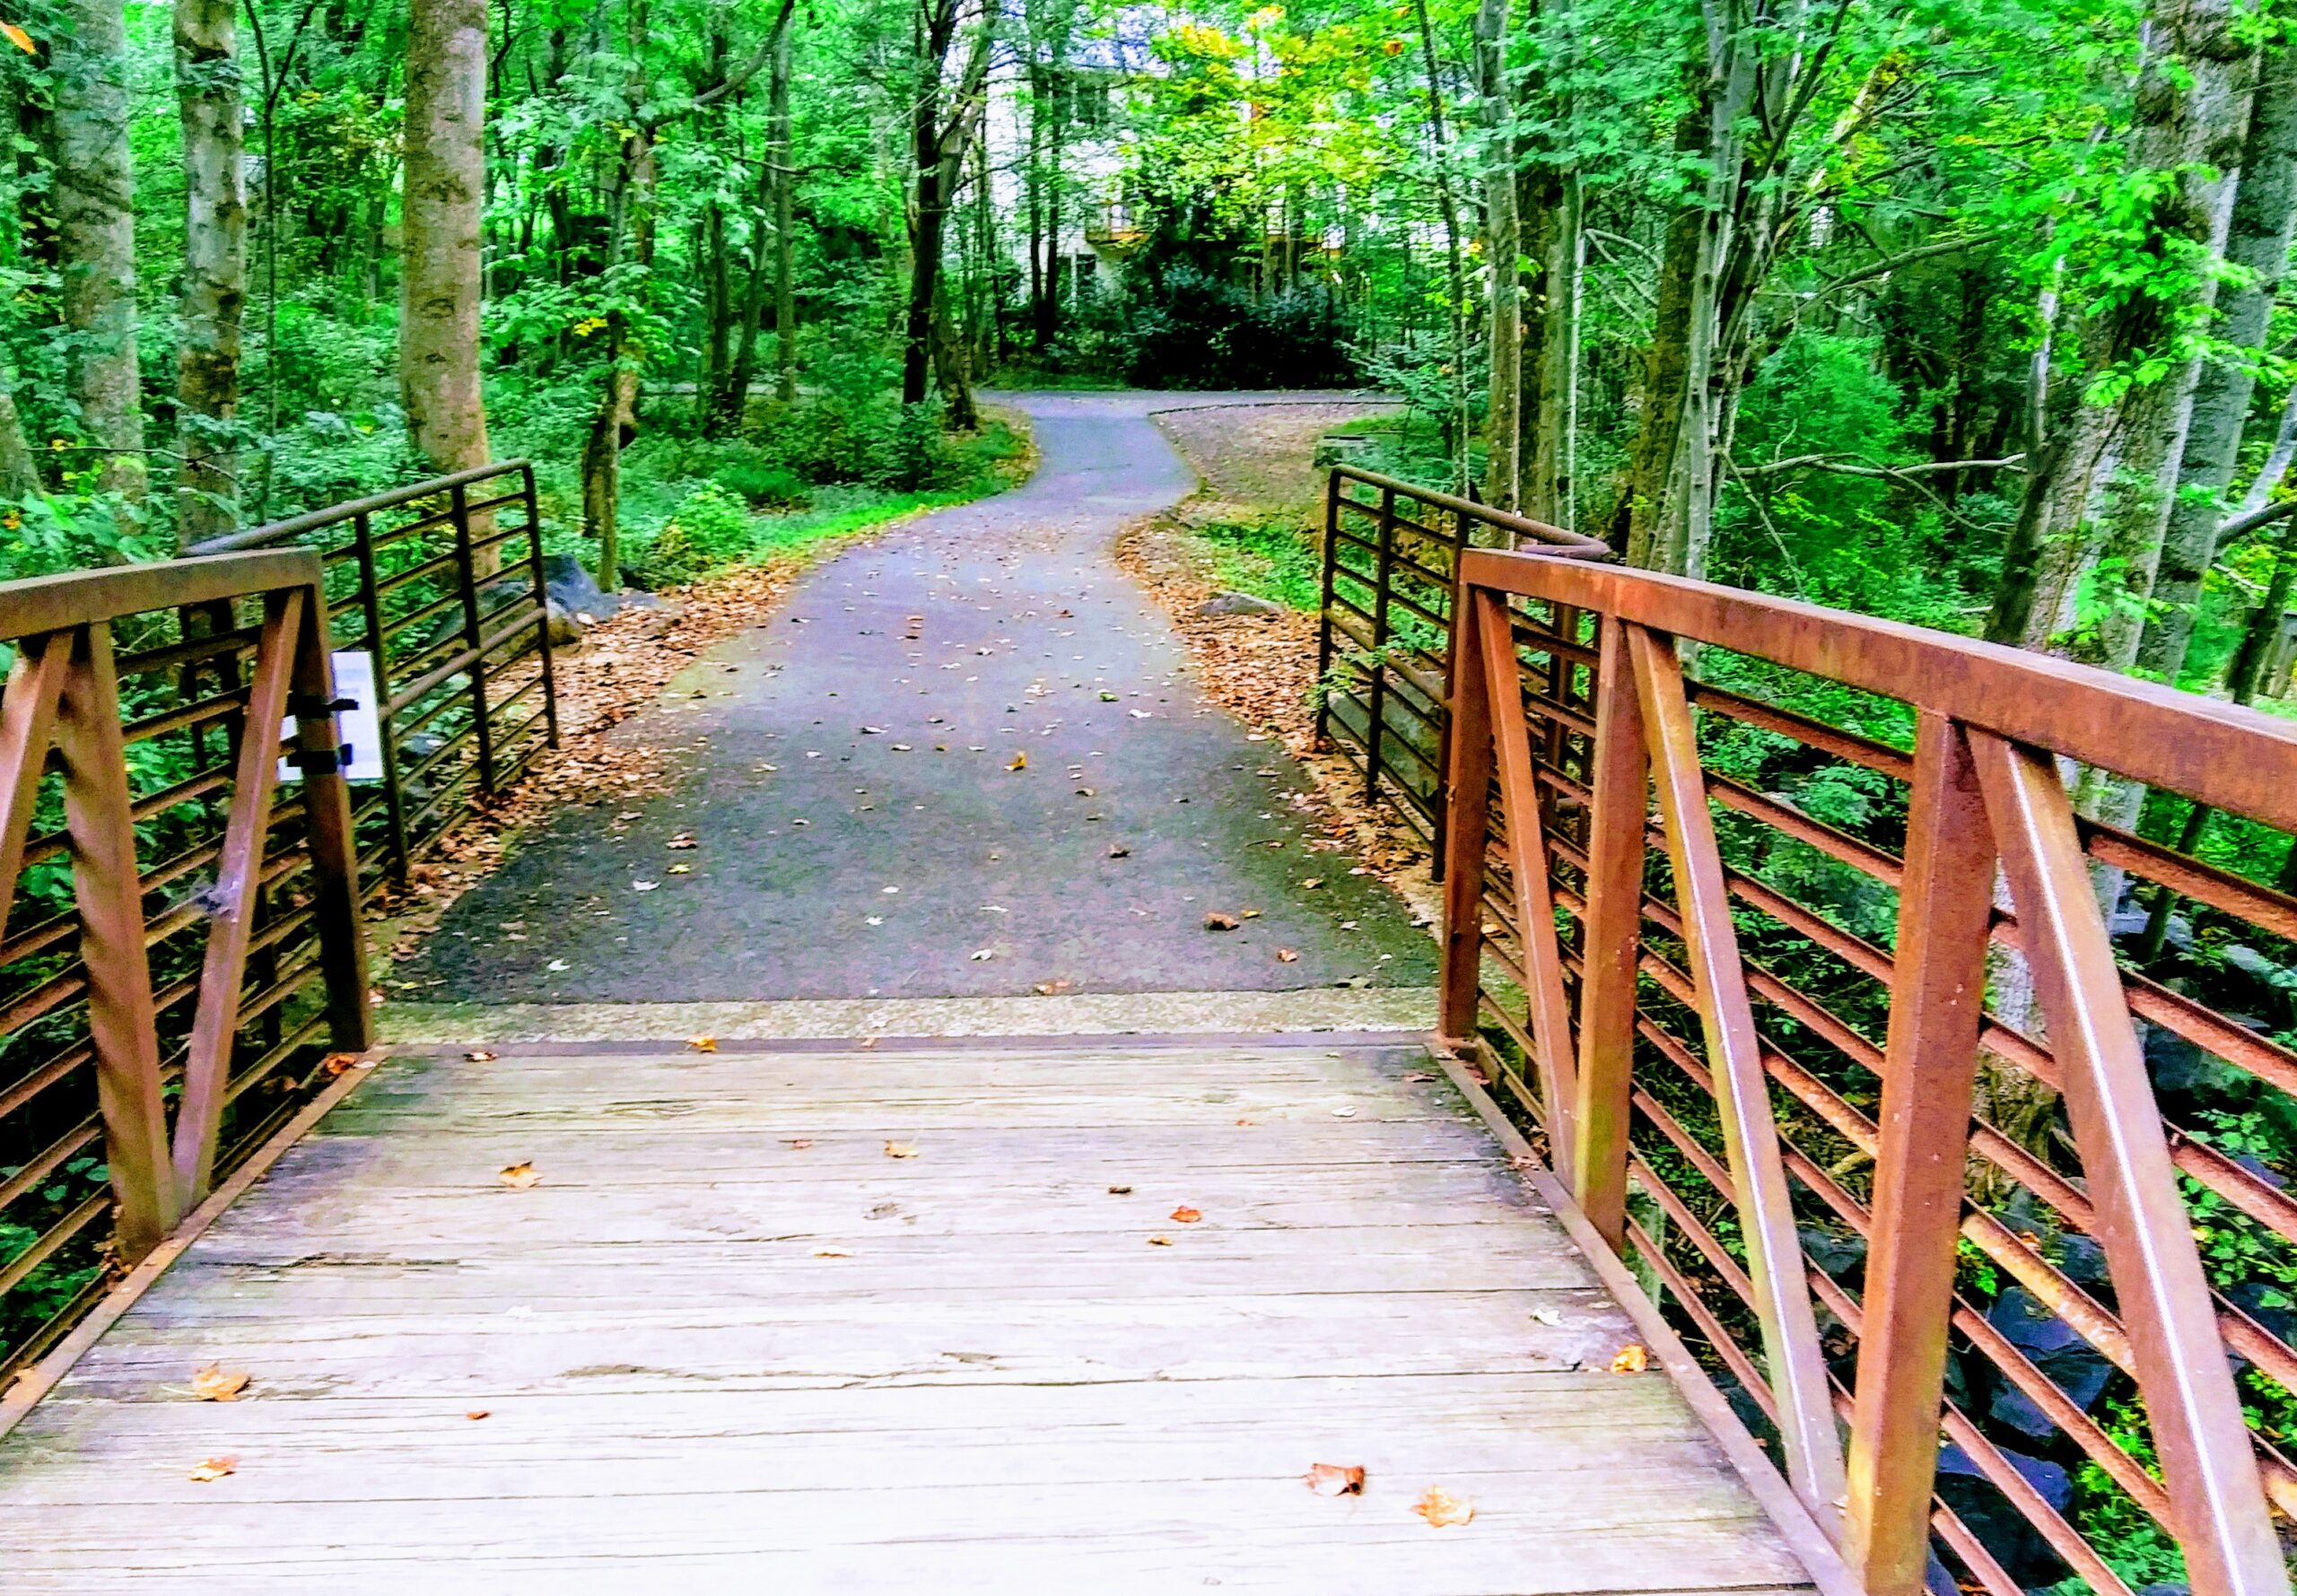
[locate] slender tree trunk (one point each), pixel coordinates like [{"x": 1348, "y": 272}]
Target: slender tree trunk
[
  {"x": 446, "y": 109},
  {"x": 1502, "y": 470},
  {"x": 91, "y": 74},
  {"x": 19, "y": 470},
  {"x": 1455, "y": 427},
  {"x": 781, "y": 153},
  {"x": 2259, "y": 492},
  {"x": 215, "y": 268},
  {"x": 2257, "y": 239},
  {"x": 1664, "y": 363},
  {"x": 1551, "y": 494}
]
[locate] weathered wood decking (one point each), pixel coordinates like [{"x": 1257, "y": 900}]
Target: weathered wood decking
[{"x": 728, "y": 1343}]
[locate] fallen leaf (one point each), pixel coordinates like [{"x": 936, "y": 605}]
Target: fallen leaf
[
  {"x": 1020, "y": 762},
  {"x": 216, "y": 1383},
  {"x": 479, "y": 1413},
  {"x": 979, "y": 954},
  {"x": 682, "y": 869},
  {"x": 867, "y": 1042},
  {"x": 1546, "y": 1316},
  {"x": 1246, "y": 1124},
  {"x": 1288, "y": 956},
  {"x": 901, "y": 1149},
  {"x": 518, "y": 1176},
  {"x": 703, "y": 1045},
  {"x": 1185, "y": 1215},
  {"x": 1108, "y": 698},
  {"x": 1054, "y": 988},
  {"x": 1413, "y": 1077},
  {"x": 1218, "y": 922},
  {"x": 1346, "y": 1111},
  {"x": 1118, "y": 850},
  {"x": 1336, "y": 1479},
  {"x": 557, "y": 965},
  {"x": 479, "y": 1056},
  {"x": 1312, "y": 883},
  {"x": 1440, "y": 1508},
  {"x": 800, "y": 1142},
  {"x": 1252, "y": 915},
  {"x": 683, "y": 839},
  {"x": 1630, "y": 1359},
  {"x": 831, "y": 1253},
  {"x": 1120, "y": 1192},
  {"x": 1160, "y": 1241},
  {"x": 210, "y": 1470}
]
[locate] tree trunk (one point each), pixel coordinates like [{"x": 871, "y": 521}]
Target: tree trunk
[
  {"x": 445, "y": 169},
  {"x": 93, "y": 74},
  {"x": 19, "y": 470},
  {"x": 1455, "y": 425},
  {"x": 2117, "y": 468},
  {"x": 938, "y": 150},
  {"x": 1502, "y": 469},
  {"x": 2264, "y": 204},
  {"x": 1635, "y": 524},
  {"x": 215, "y": 268},
  {"x": 780, "y": 152},
  {"x": 1551, "y": 496}
]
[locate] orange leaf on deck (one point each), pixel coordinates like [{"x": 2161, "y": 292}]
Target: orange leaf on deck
[
  {"x": 476, "y": 1413},
  {"x": 216, "y": 1383},
  {"x": 801, "y": 1142},
  {"x": 210, "y": 1470},
  {"x": 1185, "y": 1215},
  {"x": 703, "y": 1045},
  {"x": 1336, "y": 1479},
  {"x": 1020, "y": 762},
  {"x": 901, "y": 1149},
  {"x": 1218, "y": 922},
  {"x": 1160, "y": 1241},
  {"x": 518, "y": 1176},
  {"x": 1630, "y": 1359},
  {"x": 1440, "y": 1508}
]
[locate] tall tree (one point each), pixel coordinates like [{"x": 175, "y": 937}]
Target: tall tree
[
  {"x": 95, "y": 224},
  {"x": 444, "y": 184},
  {"x": 214, "y": 268},
  {"x": 938, "y": 143}
]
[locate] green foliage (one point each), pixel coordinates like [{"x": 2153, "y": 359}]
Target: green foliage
[{"x": 1267, "y": 556}]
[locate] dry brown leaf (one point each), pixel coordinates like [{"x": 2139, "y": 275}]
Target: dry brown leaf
[
  {"x": 867, "y": 1042},
  {"x": 1336, "y": 1479},
  {"x": 901, "y": 1149},
  {"x": 1247, "y": 1124},
  {"x": 800, "y": 1142},
  {"x": 1160, "y": 1241},
  {"x": 703, "y": 1045},
  {"x": 1053, "y": 988},
  {"x": 831, "y": 1253},
  {"x": 519, "y": 1176},
  {"x": 1630, "y": 1359},
  {"x": 479, "y": 1056},
  {"x": 1440, "y": 1508},
  {"x": 210, "y": 1470},
  {"x": 1120, "y": 1192},
  {"x": 1288, "y": 956},
  {"x": 336, "y": 1064},
  {"x": 216, "y": 1383},
  {"x": 1414, "y": 1078},
  {"x": 1218, "y": 922},
  {"x": 1020, "y": 762},
  {"x": 1185, "y": 1215},
  {"x": 477, "y": 1413}
]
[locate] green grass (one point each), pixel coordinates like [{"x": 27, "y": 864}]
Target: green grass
[{"x": 1269, "y": 557}]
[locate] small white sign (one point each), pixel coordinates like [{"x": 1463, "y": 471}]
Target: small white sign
[{"x": 360, "y": 725}]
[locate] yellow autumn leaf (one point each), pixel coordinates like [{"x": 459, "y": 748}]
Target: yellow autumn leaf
[
  {"x": 703, "y": 1045},
  {"x": 19, "y": 38},
  {"x": 216, "y": 1383},
  {"x": 901, "y": 1149},
  {"x": 1442, "y": 1509},
  {"x": 519, "y": 1176},
  {"x": 1630, "y": 1359},
  {"x": 209, "y": 1469}
]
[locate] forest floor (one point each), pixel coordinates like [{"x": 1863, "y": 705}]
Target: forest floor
[
  {"x": 956, "y": 763},
  {"x": 1263, "y": 456}
]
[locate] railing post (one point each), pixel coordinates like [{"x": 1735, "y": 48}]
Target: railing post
[
  {"x": 542, "y": 603},
  {"x": 1440, "y": 849},
  {"x": 466, "y": 572},
  {"x": 1467, "y": 825},
  {"x": 370, "y": 605},
  {"x": 327, "y": 828},
  {"x": 1611, "y": 937},
  {"x": 1323, "y": 609},
  {"x": 1937, "y": 1000},
  {"x": 1376, "y": 691},
  {"x": 122, "y": 1026}
]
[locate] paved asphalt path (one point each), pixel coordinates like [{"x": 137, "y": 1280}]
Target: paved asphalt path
[{"x": 859, "y": 829}]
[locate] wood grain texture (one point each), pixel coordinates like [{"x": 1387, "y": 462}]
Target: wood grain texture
[{"x": 1005, "y": 1387}]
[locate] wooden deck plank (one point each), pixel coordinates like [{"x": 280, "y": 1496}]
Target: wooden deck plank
[{"x": 1005, "y": 1386}]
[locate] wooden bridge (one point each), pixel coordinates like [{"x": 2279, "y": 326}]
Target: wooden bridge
[{"x": 1695, "y": 1247}]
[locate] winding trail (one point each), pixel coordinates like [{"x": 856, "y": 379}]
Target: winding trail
[{"x": 859, "y": 830}]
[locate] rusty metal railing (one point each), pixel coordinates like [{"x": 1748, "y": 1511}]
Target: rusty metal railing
[
  {"x": 441, "y": 583},
  {"x": 1391, "y": 556},
  {"x": 178, "y": 938},
  {"x": 1915, "y": 1142}
]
